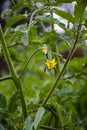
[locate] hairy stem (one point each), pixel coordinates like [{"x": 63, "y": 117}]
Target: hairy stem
[
  {"x": 5, "y": 78},
  {"x": 48, "y": 128},
  {"x": 14, "y": 75},
  {"x": 30, "y": 22},
  {"x": 63, "y": 69},
  {"x": 7, "y": 55}
]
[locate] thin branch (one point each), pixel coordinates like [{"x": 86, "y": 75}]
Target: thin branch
[
  {"x": 48, "y": 128},
  {"x": 59, "y": 55},
  {"x": 24, "y": 68},
  {"x": 66, "y": 127},
  {"x": 15, "y": 44},
  {"x": 5, "y": 78},
  {"x": 12, "y": 70},
  {"x": 30, "y": 21},
  {"x": 6, "y": 53}
]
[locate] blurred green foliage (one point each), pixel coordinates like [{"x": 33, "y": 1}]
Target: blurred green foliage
[{"x": 67, "y": 106}]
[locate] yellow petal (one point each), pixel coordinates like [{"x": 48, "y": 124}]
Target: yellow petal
[{"x": 50, "y": 63}]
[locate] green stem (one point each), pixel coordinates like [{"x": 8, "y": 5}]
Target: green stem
[
  {"x": 59, "y": 55},
  {"x": 13, "y": 2},
  {"x": 13, "y": 45},
  {"x": 24, "y": 109},
  {"x": 48, "y": 128},
  {"x": 5, "y": 78},
  {"x": 28, "y": 62},
  {"x": 63, "y": 69},
  {"x": 7, "y": 55},
  {"x": 14, "y": 75},
  {"x": 51, "y": 13},
  {"x": 30, "y": 22}
]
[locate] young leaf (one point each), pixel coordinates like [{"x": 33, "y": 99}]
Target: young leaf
[
  {"x": 28, "y": 125},
  {"x": 38, "y": 117},
  {"x": 3, "y": 101},
  {"x": 12, "y": 105}
]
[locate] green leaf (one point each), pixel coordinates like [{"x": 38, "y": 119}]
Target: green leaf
[
  {"x": 28, "y": 125},
  {"x": 65, "y": 1},
  {"x": 45, "y": 119},
  {"x": 19, "y": 6},
  {"x": 80, "y": 8},
  {"x": 65, "y": 15},
  {"x": 78, "y": 62},
  {"x": 57, "y": 2},
  {"x": 3, "y": 101},
  {"x": 33, "y": 35},
  {"x": 38, "y": 117},
  {"x": 49, "y": 19},
  {"x": 19, "y": 35},
  {"x": 12, "y": 105},
  {"x": 50, "y": 37},
  {"x": 65, "y": 92},
  {"x": 14, "y": 20},
  {"x": 3, "y": 115}
]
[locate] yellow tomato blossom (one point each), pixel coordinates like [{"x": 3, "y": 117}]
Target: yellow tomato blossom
[{"x": 51, "y": 63}]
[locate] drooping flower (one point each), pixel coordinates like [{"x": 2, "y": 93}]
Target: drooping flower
[
  {"x": 62, "y": 59},
  {"x": 44, "y": 49},
  {"x": 51, "y": 63}
]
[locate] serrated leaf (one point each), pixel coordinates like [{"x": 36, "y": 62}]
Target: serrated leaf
[
  {"x": 33, "y": 35},
  {"x": 28, "y": 125},
  {"x": 24, "y": 37},
  {"x": 47, "y": 19},
  {"x": 64, "y": 92},
  {"x": 19, "y": 6},
  {"x": 65, "y": 15},
  {"x": 80, "y": 8},
  {"x": 3, "y": 101},
  {"x": 46, "y": 118},
  {"x": 19, "y": 35},
  {"x": 14, "y": 19},
  {"x": 38, "y": 117},
  {"x": 52, "y": 20},
  {"x": 78, "y": 62},
  {"x": 12, "y": 104}
]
